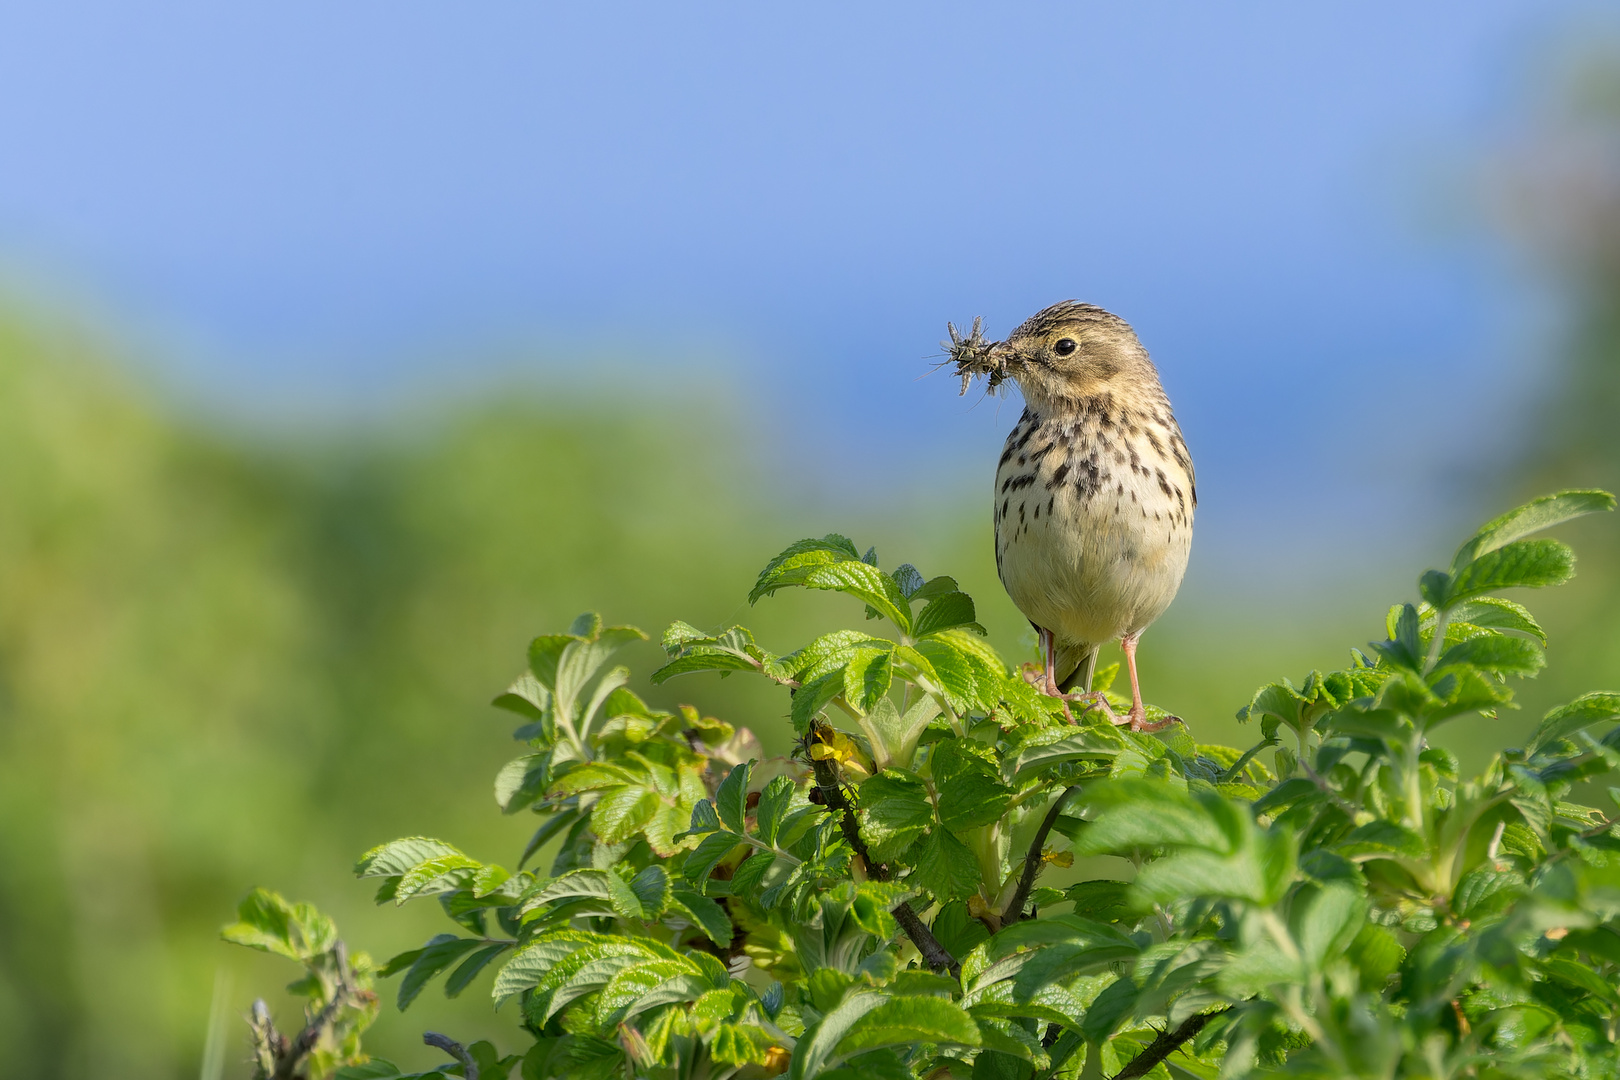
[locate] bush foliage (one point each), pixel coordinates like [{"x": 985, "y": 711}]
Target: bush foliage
[{"x": 898, "y": 898}]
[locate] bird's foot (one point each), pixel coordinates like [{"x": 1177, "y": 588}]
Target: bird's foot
[
  {"x": 1138, "y": 721},
  {"x": 1135, "y": 719}
]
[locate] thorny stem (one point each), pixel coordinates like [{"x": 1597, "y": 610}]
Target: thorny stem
[
  {"x": 832, "y": 794},
  {"x": 289, "y": 1056},
  {"x": 454, "y": 1049},
  {"x": 1163, "y": 1046},
  {"x": 1032, "y": 861}
]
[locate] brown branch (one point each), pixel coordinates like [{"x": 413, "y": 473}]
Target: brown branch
[
  {"x": 1165, "y": 1045},
  {"x": 469, "y": 1067},
  {"x": 832, "y": 794},
  {"x": 1032, "y": 861}
]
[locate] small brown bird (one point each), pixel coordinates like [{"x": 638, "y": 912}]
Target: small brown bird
[{"x": 1094, "y": 493}]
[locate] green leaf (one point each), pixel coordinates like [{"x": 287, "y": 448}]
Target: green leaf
[
  {"x": 526, "y": 697},
  {"x": 268, "y": 923},
  {"x": 1324, "y": 920},
  {"x": 816, "y": 1050},
  {"x": 804, "y": 553},
  {"x": 774, "y": 801},
  {"x": 909, "y": 579},
  {"x": 864, "y": 582},
  {"x": 463, "y": 976},
  {"x": 709, "y": 853},
  {"x": 651, "y": 888},
  {"x": 945, "y": 612},
  {"x": 1564, "y": 721},
  {"x": 1496, "y": 652},
  {"x": 555, "y": 823},
  {"x": 1377, "y": 953},
  {"x": 1538, "y": 514},
  {"x": 435, "y": 956},
  {"x": 731, "y": 798},
  {"x": 957, "y": 930},
  {"x": 903, "y": 1021},
  {"x": 1382, "y": 839},
  {"x": 597, "y": 775},
  {"x": 867, "y": 678},
  {"x": 1495, "y": 613},
  {"x": 747, "y": 877},
  {"x": 521, "y": 781},
  {"x": 945, "y": 867},
  {"x": 442, "y": 874},
  {"x": 397, "y": 856},
  {"x": 703, "y": 913},
  {"x": 622, "y": 812},
  {"x": 971, "y": 798},
  {"x": 702, "y": 660},
  {"x": 1086, "y": 744},
  {"x": 1147, "y": 814},
  {"x": 895, "y": 811},
  {"x": 1530, "y": 564},
  {"x": 813, "y": 696}
]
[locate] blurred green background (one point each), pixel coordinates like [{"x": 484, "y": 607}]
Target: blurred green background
[{"x": 234, "y": 654}]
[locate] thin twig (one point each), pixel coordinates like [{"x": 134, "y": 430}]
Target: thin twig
[
  {"x": 832, "y": 793},
  {"x": 1032, "y": 861},
  {"x": 469, "y": 1067},
  {"x": 1165, "y": 1045}
]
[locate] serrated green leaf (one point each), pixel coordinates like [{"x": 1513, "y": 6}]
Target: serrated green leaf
[
  {"x": 748, "y": 875},
  {"x": 268, "y": 923},
  {"x": 731, "y": 798},
  {"x": 945, "y": 867},
  {"x": 709, "y": 853},
  {"x": 437, "y": 875},
  {"x": 1495, "y": 613},
  {"x": 1529, "y": 564},
  {"x": 971, "y": 798},
  {"x": 947, "y": 612},
  {"x": 1538, "y": 514},
  {"x": 1564, "y": 721},
  {"x": 903, "y": 1021},
  {"x": 398, "y": 856},
  {"x": 774, "y": 801},
  {"x": 813, "y": 696},
  {"x": 895, "y": 811},
  {"x": 1496, "y": 652},
  {"x": 867, "y": 677},
  {"x": 621, "y": 812}
]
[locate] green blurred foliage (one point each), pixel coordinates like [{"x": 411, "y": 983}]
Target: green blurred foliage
[{"x": 219, "y": 654}]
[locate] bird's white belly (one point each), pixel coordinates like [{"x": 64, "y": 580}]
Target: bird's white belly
[{"x": 1091, "y": 568}]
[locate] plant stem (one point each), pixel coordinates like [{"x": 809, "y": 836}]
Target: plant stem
[
  {"x": 936, "y": 955},
  {"x": 1165, "y": 1045},
  {"x": 455, "y": 1050},
  {"x": 1032, "y": 861}
]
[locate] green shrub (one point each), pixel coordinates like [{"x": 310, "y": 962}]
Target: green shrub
[{"x": 1333, "y": 902}]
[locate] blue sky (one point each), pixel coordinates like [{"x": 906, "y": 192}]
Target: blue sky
[{"x": 338, "y": 199}]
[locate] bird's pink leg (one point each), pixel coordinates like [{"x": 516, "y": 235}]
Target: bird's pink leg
[
  {"x": 1137, "y": 716},
  {"x": 1049, "y": 656}
]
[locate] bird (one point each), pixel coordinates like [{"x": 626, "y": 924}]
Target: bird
[{"x": 1094, "y": 491}]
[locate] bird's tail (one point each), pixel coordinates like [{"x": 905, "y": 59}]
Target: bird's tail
[{"x": 1075, "y": 664}]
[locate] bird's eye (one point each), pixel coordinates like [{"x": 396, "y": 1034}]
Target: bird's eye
[{"x": 1065, "y": 346}]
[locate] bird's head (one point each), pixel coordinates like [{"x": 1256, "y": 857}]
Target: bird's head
[{"x": 1064, "y": 354}]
